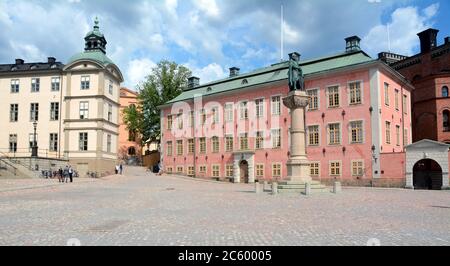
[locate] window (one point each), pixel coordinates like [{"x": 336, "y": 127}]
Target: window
[
  {"x": 388, "y": 132},
  {"x": 108, "y": 143},
  {"x": 445, "y": 122},
  {"x": 53, "y": 142},
  {"x": 335, "y": 168},
  {"x": 169, "y": 148},
  {"x": 179, "y": 147},
  {"x": 13, "y": 143},
  {"x": 276, "y": 170},
  {"x": 191, "y": 146},
  {"x": 357, "y": 168},
  {"x": 111, "y": 87},
  {"x": 169, "y": 170},
  {"x": 34, "y": 112},
  {"x": 386, "y": 94},
  {"x": 35, "y": 84},
  {"x": 202, "y": 169},
  {"x": 215, "y": 115},
  {"x": 229, "y": 170},
  {"x": 131, "y": 135},
  {"x": 55, "y": 83},
  {"x": 259, "y": 141},
  {"x": 203, "y": 116},
  {"x": 229, "y": 143},
  {"x": 405, "y": 104},
  {"x": 229, "y": 113},
  {"x": 216, "y": 170},
  {"x": 31, "y": 141},
  {"x": 110, "y": 112},
  {"x": 83, "y": 141},
  {"x": 313, "y": 99},
  {"x": 355, "y": 92},
  {"x": 131, "y": 151},
  {"x": 243, "y": 141},
  {"x": 259, "y": 104},
  {"x": 85, "y": 83},
  {"x": 169, "y": 122},
  {"x": 313, "y": 135},
  {"x": 84, "y": 110},
  {"x": 260, "y": 170},
  {"x": 191, "y": 118},
  {"x": 180, "y": 170},
  {"x": 333, "y": 97},
  {"x": 356, "y": 128},
  {"x": 202, "y": 145},
  {"x": 180, "y": 120},
  {"x": 15, "y": 86},
  {"x": 215, "y": 144},
  {"x": 397, "y": 135},
  {"x": 445, "y": 92},
  {"x": 396, "y": 99},
  {"x": 276, "y": 105},
  {"x": 276, "y": 138},
  {"x": 314, "y": 169},
  {"x": 334, "y": 134},
  {"x": 14, "y": 112},
  {"x": 54, "y": 111},
  {"x": 190, "y": 171},
  {"x": 405, "y": 137},
  {"x": 243, "y": 110}
]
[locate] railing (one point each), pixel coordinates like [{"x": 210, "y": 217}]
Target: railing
[
  {"x": 6, "y": 165},
  {"x": 44, "y": 153}
]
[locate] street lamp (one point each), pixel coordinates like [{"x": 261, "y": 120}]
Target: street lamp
[{"x": 34, "y": 148}]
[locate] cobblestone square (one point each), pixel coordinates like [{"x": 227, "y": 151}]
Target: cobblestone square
[{"x": 142, "y": 209}]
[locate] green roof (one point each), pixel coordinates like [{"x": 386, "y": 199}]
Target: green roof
[
  {"x": 96, "y": 56},
  {"x": 275, "y": 72}
]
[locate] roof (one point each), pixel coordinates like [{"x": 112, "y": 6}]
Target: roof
[
  {"x": 13, "y": 68},
  {"x": 96, "y": 56},
  {"x": 273, "y": 73}
]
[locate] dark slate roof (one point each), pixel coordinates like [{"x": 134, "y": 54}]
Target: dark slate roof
[{"x": 8, "y": 68}]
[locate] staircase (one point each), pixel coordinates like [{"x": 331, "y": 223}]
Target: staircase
[
  {"x": 10, "y": 170},
  {"x": 300, "y": 187}
]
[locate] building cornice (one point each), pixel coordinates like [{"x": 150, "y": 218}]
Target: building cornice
[
  {"x": 91, "y": 128},
  {"x": 91, "y": 120},
  {"x": 90, "y": 97}
]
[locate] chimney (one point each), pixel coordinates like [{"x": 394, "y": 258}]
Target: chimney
[
  {"x": 447, "y": 40},
  {"x": 352, "y": 44},
  {"x": 51, "y": 60},
  {"x": 193, "y": 82},
  {"x": 428, "y": 40},
  {"x": 19, "y": 62},
  {"x": 234, "y": 71}
]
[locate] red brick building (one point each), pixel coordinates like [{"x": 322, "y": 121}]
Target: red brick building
[{"x": 429, "y": 72}]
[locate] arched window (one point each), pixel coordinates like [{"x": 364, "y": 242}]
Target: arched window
[
  {"x": 445, "y": 92},
  {"x": 445, "y": 116},
  {"x": 131, "y": 151}
]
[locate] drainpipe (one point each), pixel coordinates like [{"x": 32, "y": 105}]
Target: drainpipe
[
  {"x": 60, "y": 114},
  {"x": 195, "y": 141}
]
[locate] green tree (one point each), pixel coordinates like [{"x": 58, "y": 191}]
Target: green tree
[{"x": 165, "y": 82}]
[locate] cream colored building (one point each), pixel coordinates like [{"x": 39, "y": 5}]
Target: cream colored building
[{"x": 76, "y": 107}]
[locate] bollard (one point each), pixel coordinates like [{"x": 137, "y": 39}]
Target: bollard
[
  {"x": 257, "y": 188},
  {"x": 266, "y": 185},
  {"x": 308, "y": 189},
  {"x": 337, "y": 188},
  {"x": 274, "y": 188}
]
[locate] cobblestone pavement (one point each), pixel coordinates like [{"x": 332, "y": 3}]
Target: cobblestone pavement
[{"x": 143, "y": 209}]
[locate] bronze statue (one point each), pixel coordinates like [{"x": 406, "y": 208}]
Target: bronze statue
[{"x": 296, "y": 79}]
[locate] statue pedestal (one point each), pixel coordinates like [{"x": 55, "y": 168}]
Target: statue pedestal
[{"x": 298, "y": 164}]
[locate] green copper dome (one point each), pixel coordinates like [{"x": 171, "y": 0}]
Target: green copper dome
[{"x": 96, "y": 56}]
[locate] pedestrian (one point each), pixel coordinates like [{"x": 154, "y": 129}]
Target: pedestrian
[
  {"x": 71, "y": 174},
  {"x": 121, "y": 168},
  {"x": 60, "y": 175},
  {"x": 160, "y": 168},
  {"x": 66, "y": 174},
  {"x": 117, "y": 169}
]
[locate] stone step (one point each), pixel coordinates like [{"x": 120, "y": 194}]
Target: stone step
[
  {"x": 300, "y": 187},
  {"x": 302, "y": 191}
]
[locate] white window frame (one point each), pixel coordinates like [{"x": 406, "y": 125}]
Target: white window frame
[
  {"x": 329, "y": 135},
  {"x": 229, "y": 112},
  {"x": 363, "y": 168},
  {"x": 279, "y": 103},
  {"x": 318, "y": 168},
  {"x": 340, "y": 168},
  {"x": 259, "y": 110},
  {"x": 350, "y": 141},
  {"x": 327, "y": 92},
  {"x": 272, "y": 138},
  {"x": 361, "y": 87},
  {"x": 308, "y": 135},
  {"x": 281, "y": 170},
  {"x": 318, "y": 99}
]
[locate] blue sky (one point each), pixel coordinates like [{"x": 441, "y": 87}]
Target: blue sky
[{"x": 209, "y": 36}]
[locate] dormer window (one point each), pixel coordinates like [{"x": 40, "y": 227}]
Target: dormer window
[
  {"x": 245, "y": 81},
  {"x": 33, "y": 67},
  {"x": 14, "y": 68},
  {"x": 209, "y": 89}
]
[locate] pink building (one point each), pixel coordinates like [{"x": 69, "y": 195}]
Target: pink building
[{"x": 358, "y": 123}]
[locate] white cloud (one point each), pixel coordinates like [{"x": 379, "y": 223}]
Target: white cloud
[
  {"x": 138, "y": 70},
  {"x": 208, "y": 73},
  {"x": 209, "y": 7},
  {"x": 405, "y": 23}
]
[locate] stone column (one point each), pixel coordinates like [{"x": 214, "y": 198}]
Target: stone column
[{"x": 298, "y": 164}]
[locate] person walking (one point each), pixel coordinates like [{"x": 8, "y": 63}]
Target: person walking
[
  {"x": 121, "y": 168},
  {"x": 117, "y": 169},
  {"x": 66, "y": 174},
  {"x": 71, "y": 174},
  {"x": 60, "y": 175}
]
